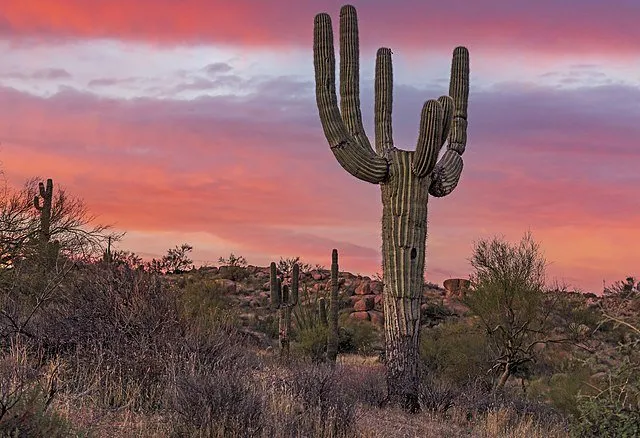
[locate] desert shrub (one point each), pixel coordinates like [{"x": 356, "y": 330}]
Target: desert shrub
[
  {"x": 607, "y": 415},
  {"x": 434, "y": 313},
  {"x": 267, "y": 324},
  {"x": 219, "y": 403},
  {"x": 356, "y": 336},
  {"x": 437, "y": 395},
  {"x": 310, "y": 331},
  {"x": 285, "y": 265},
  {"x": 116, "y": 329},
  {"x": 320, "y": 407},
  {"x": 233, "y": 268},
  {"x": 27, "y": 387},
  {"x": 204, "y": 300},
  {"x": 613, "y": 407},
  {"x": 455, "y": 351},
  {"x": 561, "y": 390},
  {"x": 311, "y": 342},
  {"x": 364, "y": 384}
]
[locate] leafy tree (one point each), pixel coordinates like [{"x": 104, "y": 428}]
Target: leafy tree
[
  {"x": 508, "y": 296},
  {"x": 176, "y": 259}
]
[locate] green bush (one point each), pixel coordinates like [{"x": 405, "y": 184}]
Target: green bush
[
  {"x": 606, "y": 417},
  {"x": 455, "y": 351},
  {"x": 356, "y": 336},
  {"x": 312, "y": 342},
  {"x": 561, "y": 389}
]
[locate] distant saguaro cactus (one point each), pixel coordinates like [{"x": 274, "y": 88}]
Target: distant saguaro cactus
[
  {"x": 332, "y": 334},
  {"x": 48, "y": 250},
  {"x": 45, "y": 209},
  {"x": 283, "y": 299},
  {"x": 405, "y": 177}
]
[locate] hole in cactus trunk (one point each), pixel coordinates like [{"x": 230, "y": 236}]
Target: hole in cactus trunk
[{"x": 414, "y": 253}]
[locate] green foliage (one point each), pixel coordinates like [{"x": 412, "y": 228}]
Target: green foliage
[
  {"x": 508, "y": 296},
  {"x": 356, "y": 336},
  {"x": 561, "y": 390},
  {"x": 27, "y": 388},
  {"x": 29, "y": 416},
  {"x": 311, "y": 331},
  {"x": 607, "y": 416},
  {"x": 202, "y": 301},
  {"x": 614, "y": 409},
  {"x": 455, "y": 352},
  {"x": 312, "y": 342}
]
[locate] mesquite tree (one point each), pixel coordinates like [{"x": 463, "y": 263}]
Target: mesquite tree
[{"x": 405, "y": 177}]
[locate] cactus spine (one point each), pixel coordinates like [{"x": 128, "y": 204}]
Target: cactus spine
[
  {"x": 332, "y": 334},
  {"x": 283, "y": 299},
  {"x": 406, "y": 177}
]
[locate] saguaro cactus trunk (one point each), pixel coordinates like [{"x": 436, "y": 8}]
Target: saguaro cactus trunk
[
  {"x": 332, "y": 334},
  {"x": 405, "y": 177}
]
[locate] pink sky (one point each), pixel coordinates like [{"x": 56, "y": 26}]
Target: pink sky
[{"x": 195, "y": 121}]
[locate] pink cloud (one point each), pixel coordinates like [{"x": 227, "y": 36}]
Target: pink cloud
[
  {"x": 265, "y": 180},
  {"x": 546, "y": 25}
]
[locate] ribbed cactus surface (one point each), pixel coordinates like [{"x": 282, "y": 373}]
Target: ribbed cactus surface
[
  {"x": 283, "y": 299},
  {"x": 332, "y": 334},
  {"x": 406, "y": 177}
]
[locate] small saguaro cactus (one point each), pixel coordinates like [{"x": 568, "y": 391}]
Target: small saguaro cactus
[
  {"x": 107, "y": 256},
  {"x": 45, "y": 209},
  {"x": 332, "y": 334},
  {"x": 283, "y": 298},
  {"x": 406, "y": 178},
  {"x": 48, "y": 250}
]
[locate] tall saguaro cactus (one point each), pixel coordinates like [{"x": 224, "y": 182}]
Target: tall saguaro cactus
[
  {"x": 284, "y": 298},
  {"x": 406, "y": 177}
]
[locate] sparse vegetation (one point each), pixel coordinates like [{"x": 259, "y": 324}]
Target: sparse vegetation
[{"x": 95, "y": 347}]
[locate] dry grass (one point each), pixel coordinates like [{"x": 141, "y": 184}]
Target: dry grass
[
  {"x": 123, "y": 354},
  {"x": 502, "y": 423}
]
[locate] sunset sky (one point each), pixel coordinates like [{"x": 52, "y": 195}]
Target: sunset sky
[{"x": 195, "y": 121}]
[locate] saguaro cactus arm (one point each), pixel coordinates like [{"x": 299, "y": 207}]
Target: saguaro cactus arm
[
  {"x": 447, "y": 171},
  {"x": 349, "y": 77},
  {"x": 275, "y": 287},
  {"x": 293, "y": 291},
  {"x": 349, "y": 148},
  {"x": 383, "y": 106}
]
